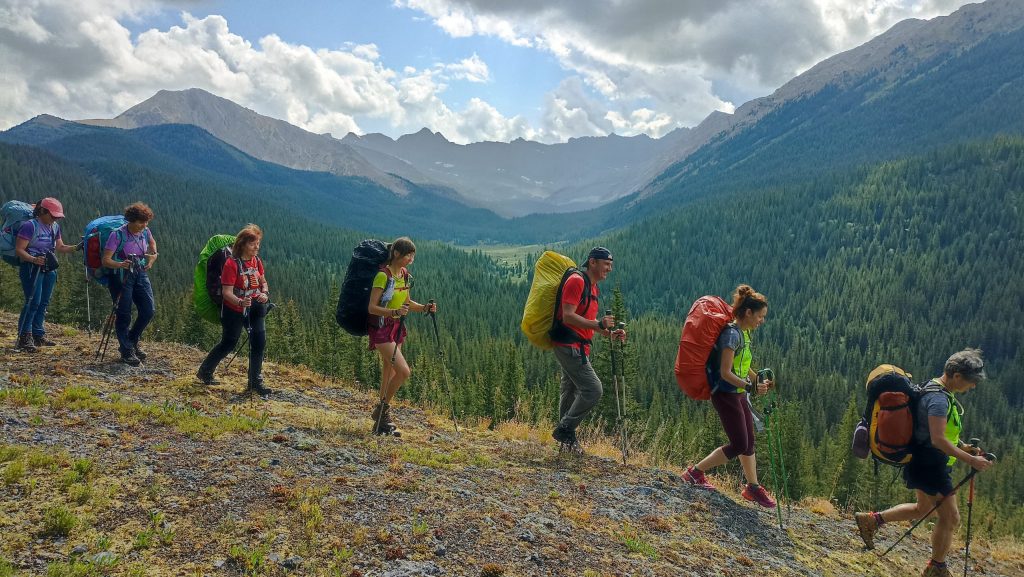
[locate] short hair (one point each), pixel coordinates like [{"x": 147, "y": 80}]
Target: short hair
[
  {"x": 249, "y": 233},
  {"x": 968, "y": 363},
  {"x": 138, "y": 212}
]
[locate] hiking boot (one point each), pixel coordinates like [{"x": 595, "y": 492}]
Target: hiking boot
[
  {"x": 382, "y": 422},
  {"x": 564, "y": 436},
  {"x": 932, "y": 570},
  {"x": 25, "y": 343},
  {"x": 139, "y": 352},
  {"x": 696, "y": 478},
  {"x": 868, "y": 526},
  {"x": 757, "y": 494},
  {"x": 206, "y": 378},
  {"x": 130, "y": 359},
  {"x": 256, "y": 386},
  {"x": 42, "y": 341},
  {"x": 567, "y": 440}
]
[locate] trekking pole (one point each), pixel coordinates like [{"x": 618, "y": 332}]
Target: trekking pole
[
  {"x": 444, "y": 366},
  {"x": 969, "y": 477},
  {"x": 248, "y": 333},
  {"x": 108, "y": 327},
  {"x": 88, "y": 302},
  {"x": 974, "y": 443},
  {"x": 778, "y": 441},
  {"x": 778, "y": 470},
  {"x": 614, "y": 380},
  {"x": 620, "y": 404}
]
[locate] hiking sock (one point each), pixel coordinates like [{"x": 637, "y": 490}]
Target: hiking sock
[
  {"x": 939, "y": 564},
  {"x": 879, "y": 521}
]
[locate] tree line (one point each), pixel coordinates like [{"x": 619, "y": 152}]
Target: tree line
[{"x": 904, "y": 262}]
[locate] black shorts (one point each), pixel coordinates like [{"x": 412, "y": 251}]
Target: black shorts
[{"x": 928, "y": 472}]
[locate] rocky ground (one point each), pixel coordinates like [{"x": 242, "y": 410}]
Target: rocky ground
[{"x": 107, "y": 469}]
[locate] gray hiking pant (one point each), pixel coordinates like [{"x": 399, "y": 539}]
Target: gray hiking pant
[{"x": 581, "y": 389}]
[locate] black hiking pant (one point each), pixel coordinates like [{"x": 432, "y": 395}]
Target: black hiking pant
[{"x": 232, "y": 323}]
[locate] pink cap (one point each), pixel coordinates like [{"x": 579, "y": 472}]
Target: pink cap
[{"x": 53, "y": 206}]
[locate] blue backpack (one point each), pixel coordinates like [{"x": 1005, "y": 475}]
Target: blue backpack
[
  {"x": 96, "y": 234},
  {"x": 13, "y": 214}
]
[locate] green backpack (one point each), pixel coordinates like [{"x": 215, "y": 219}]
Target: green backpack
[{"x": 206, "y": 287}]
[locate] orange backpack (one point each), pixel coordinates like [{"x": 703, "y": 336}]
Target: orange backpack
[{"x": 705, "y": 321}]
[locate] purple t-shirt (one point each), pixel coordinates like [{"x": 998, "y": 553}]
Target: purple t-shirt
[
  {"x": 134, "y": 244},
  {"x": 46, "y": 236}
]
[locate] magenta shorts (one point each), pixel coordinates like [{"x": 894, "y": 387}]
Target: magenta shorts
[{"x": 386, "y": 334}]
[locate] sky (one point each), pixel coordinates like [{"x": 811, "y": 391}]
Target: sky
[{"x": 474, "y": 70}]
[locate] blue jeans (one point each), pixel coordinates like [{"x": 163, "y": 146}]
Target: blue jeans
[
  {"x": 133, "y": 288},
  {"x": 37, "y": 287}
]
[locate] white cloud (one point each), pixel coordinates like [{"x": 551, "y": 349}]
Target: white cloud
[
  {"x": 77, "y": 60},
  {"x": 632, "y": 65},
  {"x": 676, "y": 56},
  {"x": 472, "y": 69}
]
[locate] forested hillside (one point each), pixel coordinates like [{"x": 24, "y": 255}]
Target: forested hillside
[
  {"x": 193, "y": 155},
  {"x": 901, "y": 262}
]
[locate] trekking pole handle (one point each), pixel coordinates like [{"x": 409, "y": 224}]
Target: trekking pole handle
[
  {"x": 620, "y": 326},
  {"x": 430, "y": 304},
  {"x": 766, "y": 375}
]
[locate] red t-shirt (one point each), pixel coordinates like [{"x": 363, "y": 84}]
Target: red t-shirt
[
  {"x": 572, "y": 293},
  {"x": 248, "y": 280}
]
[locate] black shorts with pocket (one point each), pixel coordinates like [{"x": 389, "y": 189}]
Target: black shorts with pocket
[{"x": 928, "y": 472}]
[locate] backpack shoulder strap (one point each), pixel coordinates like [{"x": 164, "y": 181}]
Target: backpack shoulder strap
[
  {"x": 587, "y": 290},
  {"x": 119, "y": 231}
]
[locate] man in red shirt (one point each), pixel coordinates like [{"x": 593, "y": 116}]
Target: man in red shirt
[{"x": 574, "y": 327}]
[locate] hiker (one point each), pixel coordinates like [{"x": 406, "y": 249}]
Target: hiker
[
  {"x": 246, "y": 295},
  {"x": 574, "y": 326},
  {"x": 731, "y": 377},
  {"x": 937, "y": 447},
  {"x": 37, "y": 240},
  {"x": 389, "y": 303},
  {"x": 128, "y": 254}
]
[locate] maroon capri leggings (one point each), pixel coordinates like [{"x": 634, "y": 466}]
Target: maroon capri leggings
[{"x": 737, "y": 421}]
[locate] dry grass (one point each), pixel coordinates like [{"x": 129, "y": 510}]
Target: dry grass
[{"x": 819, "y": 506}]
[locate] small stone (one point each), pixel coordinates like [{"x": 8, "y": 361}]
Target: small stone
[
  {"x": 79, "y": 550},
  {"x": 440, "y": 551},
  {"x": 218, "y": 563},
  {"x": 274, "y": 557},
  {"x": 292, "y": 562},
  {"x": 527, "y": 536}
]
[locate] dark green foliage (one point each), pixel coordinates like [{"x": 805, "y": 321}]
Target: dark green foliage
[{"x": 905, "y": 262}]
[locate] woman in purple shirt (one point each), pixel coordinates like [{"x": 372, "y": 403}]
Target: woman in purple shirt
[
  {"x": 129, "y": 253},
  {"x": 37, "y": 238}
]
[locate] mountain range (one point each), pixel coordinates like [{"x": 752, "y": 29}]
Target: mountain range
[{"x": 919, "y": 85}]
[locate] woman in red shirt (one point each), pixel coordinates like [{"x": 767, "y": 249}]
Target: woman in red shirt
[{"x": 246, "y": 295}]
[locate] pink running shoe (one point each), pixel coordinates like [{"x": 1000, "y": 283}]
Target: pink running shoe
[
  {"x": 757, "y": 494},
  {"x": 696, "y": 477}
]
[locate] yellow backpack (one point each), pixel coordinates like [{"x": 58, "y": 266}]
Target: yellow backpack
[{"x": 538, "y": 316}]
